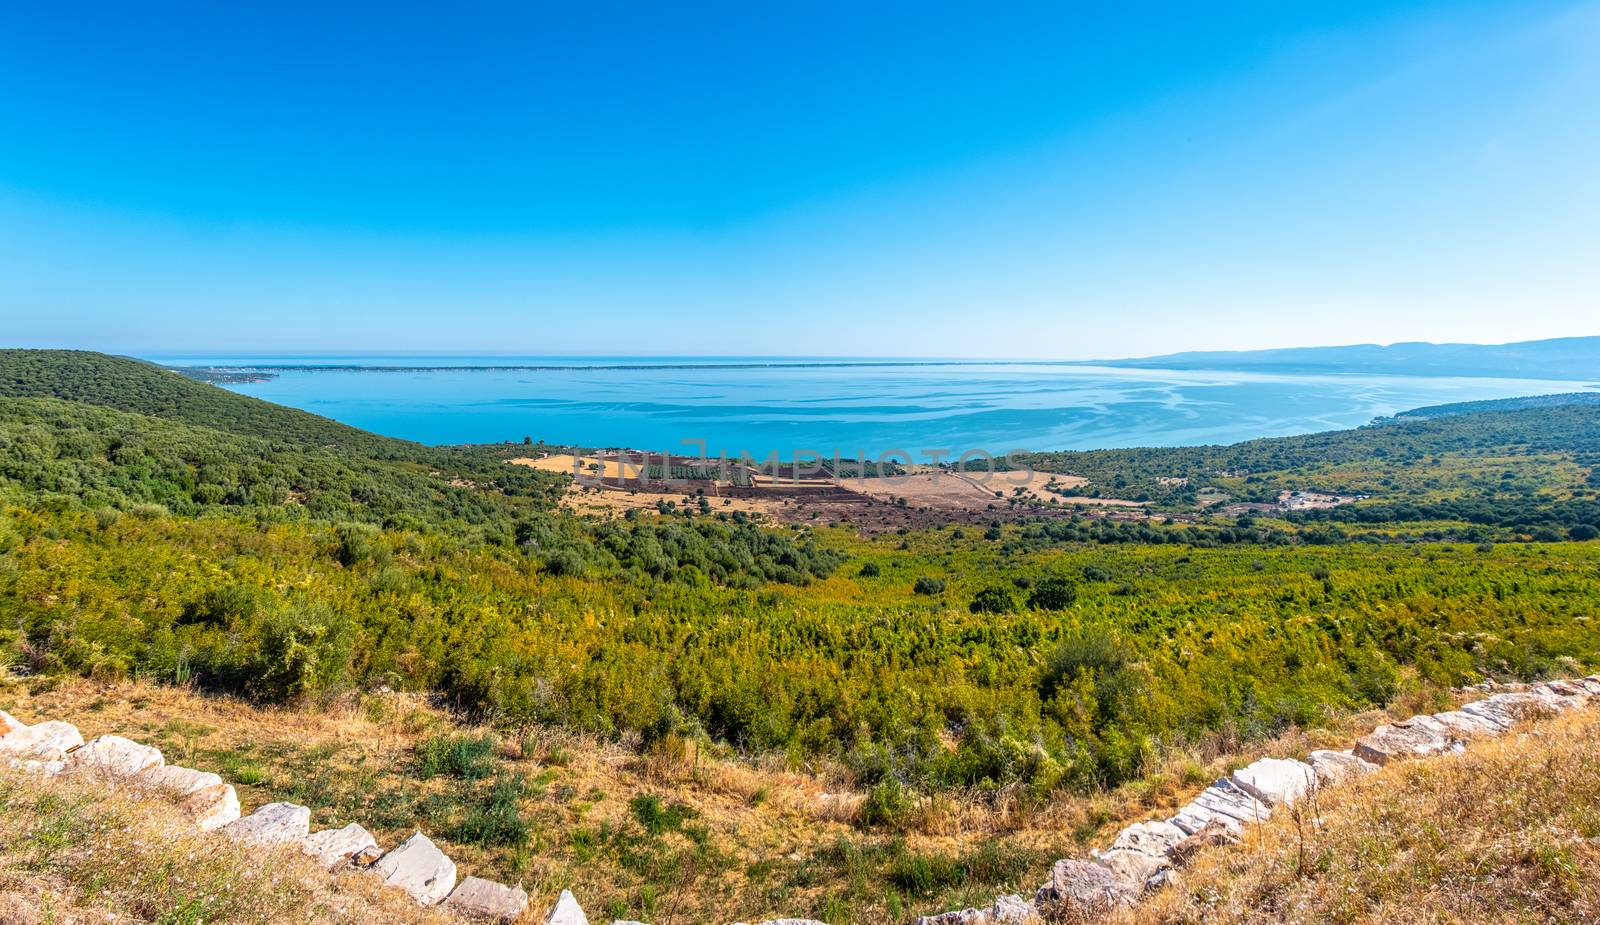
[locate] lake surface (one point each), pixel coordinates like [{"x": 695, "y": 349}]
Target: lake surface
[{"x": 758, "y": 406}]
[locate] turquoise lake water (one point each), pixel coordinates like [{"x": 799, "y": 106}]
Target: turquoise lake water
[{"x": 817, "y": 404}]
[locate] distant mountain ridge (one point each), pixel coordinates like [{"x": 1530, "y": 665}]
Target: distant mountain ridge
[{"x": 1558, "y": 358}]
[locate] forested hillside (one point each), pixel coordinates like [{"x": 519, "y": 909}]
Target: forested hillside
[{"x": 1523, "y": 464}]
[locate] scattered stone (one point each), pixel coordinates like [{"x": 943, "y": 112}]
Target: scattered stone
[
  {"x": 113, "y": 757},
  {"x": 968, "y": 916},
  {"x": 180, "y": 780},
  {"x": 1131, "y": 866},
  {"x": 1214, "y": 834},
  {"x": 1084, "y": 888},
  {"x": 335, "y": 848},
  {"x": 212, "y": 807},
  {"x": 566, "y": 911},
  {"x": 272, "y": 824},
  {"x": 421, "y": 869},
  {"x": 46, "y": 741},
  {"x": 485, "y": 898},
  {"x": 47, "y": 768},
  {"x": 1409, "y": 739},
  {"x": 1153, "y": 838},
  {"x": 1275, "y": 781},
  {"x": 1333, "y": 767}
]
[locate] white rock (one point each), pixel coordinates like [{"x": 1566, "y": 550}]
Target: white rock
[
  {"x": 566, "y": 911},
  {"x": 1194, "y": 818},
  {"x": 1152, "y": 838},
  {"x": 1465, "y": 725},
  {"x": 33, "y": 766},
  {"x": 180, "y": 780},
  {"x": 1333, "y": 767},
  {"x": 1131, "y": 866},
  {"x": 419, "y": 868},
  {"x": 1013, "y": 910},
  {"x": 9, "y": 724},
  {"x": 212, "y": 807},
  {"x": 113, "y": 757},
  {"x": 1082, "y": 888},
  {"x": 1275, "y": 781},
  {"x": 46, "y": 741},
  {"x": 272, "y": 824},
  {"x": 487, "y": 899},
  {"x": 1511, "y": 708},
  {"x": 1409, "y": 739},
  {"x": 335, "y": 848}
]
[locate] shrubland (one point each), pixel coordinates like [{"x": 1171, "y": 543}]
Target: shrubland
[{"x": 935, "y": 684}]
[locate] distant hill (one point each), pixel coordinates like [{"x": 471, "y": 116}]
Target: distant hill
[
  {"x": 115, "y": 432},
  {"x": 1501, "y": 404},
  {"x": 1561, "y": 358}
]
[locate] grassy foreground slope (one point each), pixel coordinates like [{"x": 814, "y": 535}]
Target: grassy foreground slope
[{"x": 1505, "y": 832}]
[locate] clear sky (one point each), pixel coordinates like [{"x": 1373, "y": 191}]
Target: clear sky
[{"x": 809, "y": 178}]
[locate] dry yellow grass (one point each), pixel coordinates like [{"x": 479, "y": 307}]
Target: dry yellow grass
[
  {"x": 74, "y": 852},
  {"x": 765, "y": 839},
  {"x": 1506, "y": 832}
]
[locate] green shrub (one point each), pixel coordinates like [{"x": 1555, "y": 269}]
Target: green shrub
[
  {"x": 464, "y": 757},
  {"x": 928, "y": 585}
]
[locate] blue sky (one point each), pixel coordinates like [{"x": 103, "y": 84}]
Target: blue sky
[{"x": 919, "y": 179}]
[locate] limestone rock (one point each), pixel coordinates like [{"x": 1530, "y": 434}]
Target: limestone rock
[
  {"x": 968, "y": 916},
  {"x": 421, "y": 869},
  {"x": 46, "y": 741},
  {"x": 33, "y": 766},
  {"x": 1333, "y": 767},
  {"x": 566, "y": 911},
  {"x": 1275, "y": 781},
  {"x": 1013, "y": 909},
  {"x": 1510, "y": 708},
  {"x": 485, "y": 898},
  {"x": 1153, "y": 838},
  {"x": 1211, "y": 835},
  {"x": 9, "y": 724},
  {"x": 213, "y": 807},
  {"x": 1131, "y": 866},
  {"x": 113, "y": 757},
  {"x": 1224, "y": 802},
  {"x": 1465, "y": 725},
  {"x": 1409, "y": 739},
  {"x": 334, "y": 848},
  {"x": 1563, "y": 688},
  {"x": 272, "y": 824},
  {"x": 180, "y": 780},
  {"x": 1084, "y": 888}
]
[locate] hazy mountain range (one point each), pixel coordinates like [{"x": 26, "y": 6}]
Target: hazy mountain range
[{"x": 1559, "y": 358}]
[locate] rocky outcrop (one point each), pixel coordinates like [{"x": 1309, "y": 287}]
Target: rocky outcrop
[
  {"x": 1275, "y": 781},
  {"x": 419, "y": 868},
  {"x": 1410, "y": 739},
  {"x": 336, "y": 848},
  {"x": 487, "y": 899},
  {"x": 1143, "y": 857},
  {"x": 1336, "y": 767},
  {"x": 1083, "y": 888},
  {"x": 112, "y": 757},
  {"x": 43, "y": 742},
  {"x": 566, "y": 911},
  {"x": 272, "y": 824}
]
